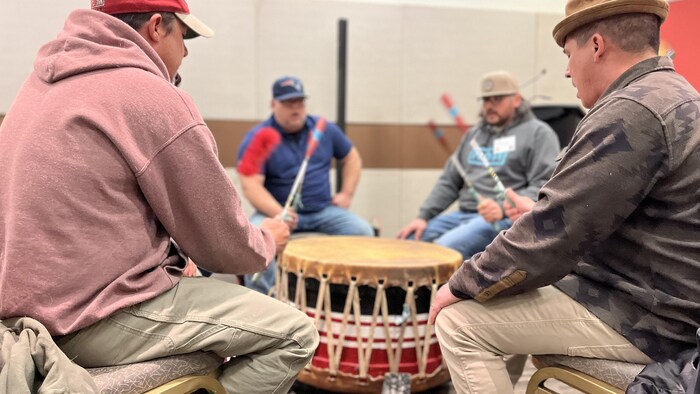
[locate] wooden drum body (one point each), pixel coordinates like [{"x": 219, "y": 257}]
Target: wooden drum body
[{"x": 370, "y": 299}]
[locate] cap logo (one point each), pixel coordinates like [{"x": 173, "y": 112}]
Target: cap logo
[
  {"x": 291, "y": 83},
  {"x": 487, "y": 85},
  {"x": 98, "y": 3}
]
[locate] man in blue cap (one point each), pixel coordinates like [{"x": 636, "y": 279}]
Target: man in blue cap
[{"x": 267, "y": 190}]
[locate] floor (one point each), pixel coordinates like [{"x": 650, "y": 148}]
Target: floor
[{"x": 447, "y": 388}]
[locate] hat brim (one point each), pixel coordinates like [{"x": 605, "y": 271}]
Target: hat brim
[
  {"x": 604, "y": 10},
  {"x": 501, "y": 93},
  {"x": 196, "y": 27},
  {"x": 290, "y": 96}
]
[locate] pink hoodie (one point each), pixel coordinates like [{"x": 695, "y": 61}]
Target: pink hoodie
[{"x": 102, "y": 161}]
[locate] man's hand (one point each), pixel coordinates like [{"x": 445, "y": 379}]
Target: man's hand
[
  {"x": 190, "y": 269},
  {"x": 443, "y": 298},
  {"x": 342, "y": 200},
  {"x": 490, "y": 210},
  {"x": 279, "y": 230},
  {"x": 417, "y": 227},
  {"x": 290, "y": 218},
  {"x": 522, "y": 204}
]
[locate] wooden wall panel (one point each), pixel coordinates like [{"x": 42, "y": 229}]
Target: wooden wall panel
[{"x": 381, "y": 146}]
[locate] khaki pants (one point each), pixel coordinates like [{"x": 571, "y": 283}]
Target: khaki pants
[
  {"x": 474, "y": 337},
  {"x": 271, "y": 341}
]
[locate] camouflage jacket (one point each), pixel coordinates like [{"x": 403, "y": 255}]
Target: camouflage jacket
[{"x": 617, "y": 227}]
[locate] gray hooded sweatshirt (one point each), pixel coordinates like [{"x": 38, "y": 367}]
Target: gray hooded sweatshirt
[{"x": 522, "y": 154}]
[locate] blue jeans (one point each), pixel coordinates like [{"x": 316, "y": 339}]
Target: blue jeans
[
  {"x": 331, "y": 220},
  {"x": 466, "y": 232}
]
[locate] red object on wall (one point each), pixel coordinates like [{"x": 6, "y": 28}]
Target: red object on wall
[{"x": 679, "y": 33}]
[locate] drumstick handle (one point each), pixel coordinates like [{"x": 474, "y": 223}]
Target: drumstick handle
[
  {"x": 295, "y": 186},
  {"x": 500, "y": 189},
  {"x": 470, "y": 187},
  {"x": 463, "y": 174},
  {"x": 292, "y": 193}
]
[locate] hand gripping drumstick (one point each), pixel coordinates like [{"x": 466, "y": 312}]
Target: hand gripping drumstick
[
  {"x": 314, "y": 140},
  {"x": 258, "y": 151},
  {"x": 440, "y": 135},
  {"x": 449, "y": 104}
]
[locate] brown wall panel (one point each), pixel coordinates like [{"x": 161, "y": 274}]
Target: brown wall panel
[
  {"x": 228, "y": 135},
  {"x": 381, "y": 146},
  {"x": 400, "y": 146}
]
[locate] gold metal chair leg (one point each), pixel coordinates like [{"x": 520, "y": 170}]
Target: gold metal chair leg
[
  {"x": 191, "y": 383},
  {"x": 573, "y": 378}
]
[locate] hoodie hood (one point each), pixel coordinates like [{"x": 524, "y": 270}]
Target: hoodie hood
[{"x": 92, "y": 41}]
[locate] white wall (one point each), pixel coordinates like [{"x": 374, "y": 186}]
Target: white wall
[{"x": 402, "y": 55}]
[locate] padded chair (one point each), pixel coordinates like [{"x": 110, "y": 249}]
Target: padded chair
[
  {"x": 585, "y": 374},
  {"x": 182, "y": 374}
]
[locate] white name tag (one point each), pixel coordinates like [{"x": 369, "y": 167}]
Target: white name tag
[{"x": 503, "y": 145}]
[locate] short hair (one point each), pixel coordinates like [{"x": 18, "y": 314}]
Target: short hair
[
  {"x": 137, "y": 20},
  {"x": 633, "y": 33}
]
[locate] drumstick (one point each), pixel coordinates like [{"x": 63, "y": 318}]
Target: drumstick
[
  {"x": 440, "y": 135},
  {"x": 449, "y": 104},
  {"x": 314, "y": 139},
  {"x": 500, "y": 189},
  {"x": 258, "y": 151}
]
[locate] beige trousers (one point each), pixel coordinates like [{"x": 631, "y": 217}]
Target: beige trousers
[
  {"x": 271, "y": 341},
  {"x": 475, "y": 336}
]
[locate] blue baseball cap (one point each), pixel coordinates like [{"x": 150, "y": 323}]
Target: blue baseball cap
[{"x": 287, "y": 88}]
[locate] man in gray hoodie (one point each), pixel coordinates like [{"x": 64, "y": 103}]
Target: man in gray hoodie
[
  {"x": 104, "y": 162},
  {"x": 519, "y": 147}
]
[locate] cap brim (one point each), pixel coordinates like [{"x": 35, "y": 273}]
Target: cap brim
[
  {"x": 196, "y": 27},
  {"x": 290, "y": 96},
  {"x": 501, "y": 93}
]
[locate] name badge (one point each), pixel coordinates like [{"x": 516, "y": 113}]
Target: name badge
[{"x": 503, "y": 145}]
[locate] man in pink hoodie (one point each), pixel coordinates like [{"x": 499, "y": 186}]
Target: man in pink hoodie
[{"x": 104, "y": 162}]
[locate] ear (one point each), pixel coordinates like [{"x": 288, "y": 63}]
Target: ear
[
  {"x": 517, "y": 100},
  {"x": 154, "y": 29},
  {"x": 599, "y": 46}
]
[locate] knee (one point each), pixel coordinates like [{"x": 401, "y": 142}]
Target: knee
[
  {"x": 360, "y": 227},
  {"x": 441, "y": 324},
  {"x": 307, "y": 335}
]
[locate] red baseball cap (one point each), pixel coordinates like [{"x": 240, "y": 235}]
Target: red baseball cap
[{"x": 178, "y": 7}]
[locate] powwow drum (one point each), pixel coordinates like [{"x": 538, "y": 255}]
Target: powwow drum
[{"x": 370, "y": 299}]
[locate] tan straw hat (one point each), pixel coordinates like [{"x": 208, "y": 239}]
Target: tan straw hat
[
  {"x": 582, "y": 12},
  {"x": 498, "y": 83}
]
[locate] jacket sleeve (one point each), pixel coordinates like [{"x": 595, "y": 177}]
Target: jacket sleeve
[
  {"x": 617, "y": 155},
  {"x": 195, "y": 200},
  {"x": 541, "y": 161}
]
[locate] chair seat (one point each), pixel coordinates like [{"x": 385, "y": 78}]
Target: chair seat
[
  {"x": 586, "y": 374},
  {"x": 140, "y": 377},
  {"x": 616, "y": 373}
]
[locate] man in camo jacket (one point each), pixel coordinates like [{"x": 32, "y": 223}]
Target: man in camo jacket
[{"x": 607, "y": 263}]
